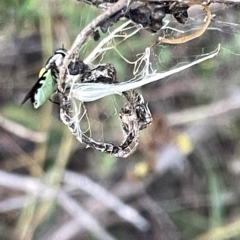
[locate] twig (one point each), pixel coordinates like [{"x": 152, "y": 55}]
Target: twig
[
  {"x": 34, "y": 186},
  {"x": 38, "y": 189},
  {"x": 66, "y": 231},
  {"x": 87, "y": 31},
  {"x": 82, "y": 216},
  {"x": 126, "y": 212},
  {"x": 195, "y": 1},
  {"x": 12, "y": 203},
  {"x": 165, "y": 224},
  {"x": 26, "y": 184},
  {"x": 192, "y": 36}
]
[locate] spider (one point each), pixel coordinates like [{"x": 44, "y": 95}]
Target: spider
[{"x": 134, "y": 116}]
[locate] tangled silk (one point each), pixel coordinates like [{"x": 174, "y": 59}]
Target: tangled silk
[{"x": 134, "y": 116}]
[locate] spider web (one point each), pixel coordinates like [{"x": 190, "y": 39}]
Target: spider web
[{"x": 97, "y": 119}]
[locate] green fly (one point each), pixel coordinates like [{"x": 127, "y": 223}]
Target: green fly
[
  {"x": 46, "y": 85},
  {"x": 42, "y": 90}
]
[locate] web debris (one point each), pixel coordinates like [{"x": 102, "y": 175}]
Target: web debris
[{"x": 135, "y": 114}]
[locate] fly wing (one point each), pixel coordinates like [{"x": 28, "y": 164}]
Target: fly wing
[{"x": 30, "y": 94}]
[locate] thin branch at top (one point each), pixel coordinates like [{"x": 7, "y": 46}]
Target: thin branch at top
[
  {"x": 87, "y": 31},
  {"x": 194, "y": 1}
]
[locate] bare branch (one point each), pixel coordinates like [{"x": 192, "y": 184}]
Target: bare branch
[
  {"x": 66, "y": 231},
  {"x": 34, "y": 186},
  {"x": 82, "y": 216},
  {"x": 12, "y": 203},
  {"x": 190, "y": 2},
  {"x": 88, "y": 30},
  {"x": 126, "y": 212}
]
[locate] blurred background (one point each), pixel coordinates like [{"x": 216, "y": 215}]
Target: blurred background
[{"x": 183, "y": 180}]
